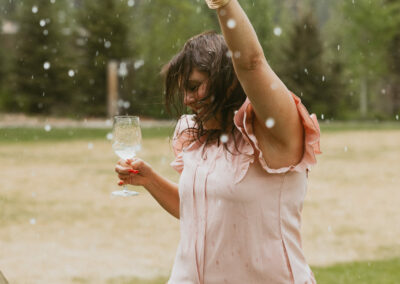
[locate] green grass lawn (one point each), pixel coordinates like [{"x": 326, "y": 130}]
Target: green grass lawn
[
  {"x": 367, "y": 272},
  {"x": 25, "y": 134}
]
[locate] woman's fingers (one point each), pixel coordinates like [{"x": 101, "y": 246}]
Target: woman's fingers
[
  {"x": 132, "y": 171},
  {"x": 122, "y": 170},
  {"x": 125, "y": 170}
]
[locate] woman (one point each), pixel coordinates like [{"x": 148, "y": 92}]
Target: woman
[{"x": 243, "y": 158}]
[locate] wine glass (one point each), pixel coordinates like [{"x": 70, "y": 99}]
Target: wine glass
[{"x": 126, "y": 143}]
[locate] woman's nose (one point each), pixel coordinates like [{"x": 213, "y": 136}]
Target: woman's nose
[{"x": 189, "y": 98}]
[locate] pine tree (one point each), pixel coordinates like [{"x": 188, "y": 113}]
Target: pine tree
[
  {"x": 367, "y": 28},
  {"x": 41, "y": 68},
  {"x": 104, "y": 36},
  {"x": 261, "y": 15},
  {"x": 394, "y": 67},
  {"x": 2, "y": 73},
  {"x": 304, "y": 71}
]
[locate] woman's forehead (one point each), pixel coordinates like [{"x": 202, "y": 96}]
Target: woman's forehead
[{"x": 197, "y": 75}]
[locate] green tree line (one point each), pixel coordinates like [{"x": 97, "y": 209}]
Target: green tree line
[{"x": 342, "y": 58}]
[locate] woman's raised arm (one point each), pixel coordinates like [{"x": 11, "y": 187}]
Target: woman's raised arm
[{"x": 269, "y": 96}]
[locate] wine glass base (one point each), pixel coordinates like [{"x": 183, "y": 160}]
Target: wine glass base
[{"x": 124, "y": 193}]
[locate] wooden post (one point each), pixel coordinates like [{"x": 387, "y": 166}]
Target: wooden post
[{"x": 112, "y": 88}]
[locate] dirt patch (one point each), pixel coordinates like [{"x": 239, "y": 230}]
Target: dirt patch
[{"x": 59, "y": 223}]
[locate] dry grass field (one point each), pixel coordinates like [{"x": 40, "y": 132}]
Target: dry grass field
[{"x": 59, "y": 224}]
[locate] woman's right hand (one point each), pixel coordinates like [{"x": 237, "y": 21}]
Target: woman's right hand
[{"x": 134, "y": 171}]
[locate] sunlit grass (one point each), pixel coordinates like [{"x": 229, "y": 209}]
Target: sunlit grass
[
  {"x": 30, "y": 134},
  {"x": 25, "y": 134},
  {"x": 62, "y": 183},
  {"x": 366, "y": 272}
]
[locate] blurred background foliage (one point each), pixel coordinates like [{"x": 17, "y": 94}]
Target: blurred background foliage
[{"x": 341, "y": 57}]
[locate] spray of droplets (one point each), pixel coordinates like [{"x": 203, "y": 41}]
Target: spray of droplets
[
  {"x": 46, "y": 65},
  {"x": 231, "y": 23},
  {"x": 47, "y": 127},
  {"x": 270, "y": 122},
  {"x": 224, "y": 138},
  {"x": 138, "y": 64},
  {"x": 277, "y": 31}
]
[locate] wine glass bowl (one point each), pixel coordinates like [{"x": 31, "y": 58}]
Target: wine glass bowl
[{"x": 127, "y": 138}]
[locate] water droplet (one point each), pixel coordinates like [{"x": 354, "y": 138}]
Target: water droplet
[
  {"x": 222, "y": 12},
  {"x": 397, "y": 117},
  {"x": 306, "y": 71},
  {"x": 277, "y": 31},
  {"x": 35, "y": 9},
  {"x": 109, "y": 136},
  {"x": 322, "y": 116},
  {"x": 138, "y": 64},
  {"x": 131, "y": 3},
  {"x": 123, "y": 70},
  {"x": 126, "y": 104},
  {"x": 120, "y": 103},
  {"x": 45, "y": 32},
  {"x": 224, "y": 138},
  {"x": 270, "y": 122},
  {"x": 32, "y": 221},
  {"x": 236, "y": 54},
  {"x": 229, "y": 53},
  {"x": 346, "y": 149},
  {"x": 274, "y": 86},
  {"x": 231, "y": 23},
  {"x": 71, "y": 73},
  {"x": 42, "y": 23},
  {"x": 90, "y": 146},
  {"x": 338, "y": 47},
  {"x": 107, "y": 44},
  {"x": 46, "y": 65},
  {"x": 383, "y": 91},
  {"x": 323, "y": 78},
  {"x": 47, "y": 127},
  {"x": 52, "y": 1}
]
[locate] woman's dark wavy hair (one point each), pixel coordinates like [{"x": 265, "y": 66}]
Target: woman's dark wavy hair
[{"x": 206, "y": 52}]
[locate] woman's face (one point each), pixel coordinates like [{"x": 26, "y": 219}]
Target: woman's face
[{"x": 195, "y": 90}]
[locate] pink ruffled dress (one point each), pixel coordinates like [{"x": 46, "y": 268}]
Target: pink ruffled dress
[{"x": 240, "y": 220}]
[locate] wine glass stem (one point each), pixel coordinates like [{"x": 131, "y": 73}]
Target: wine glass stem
[{"x": 124, "y": 188}]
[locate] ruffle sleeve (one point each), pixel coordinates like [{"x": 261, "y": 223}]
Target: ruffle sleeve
[
  {"x": 181, "y": 139},
  {"x": 244, "y": 122}
]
